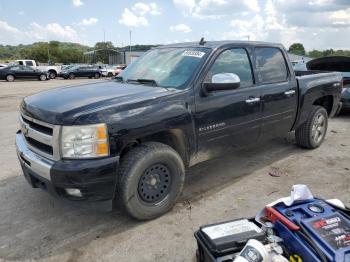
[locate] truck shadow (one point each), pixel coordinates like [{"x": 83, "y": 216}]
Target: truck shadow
[{"x": 34, "y": 225}]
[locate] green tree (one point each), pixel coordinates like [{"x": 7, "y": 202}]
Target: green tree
[
  {"x": 297, "y": 49},
  {"x": 315, "y": 54}
]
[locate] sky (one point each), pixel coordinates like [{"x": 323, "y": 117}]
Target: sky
[{"x": 318, "y": 24}]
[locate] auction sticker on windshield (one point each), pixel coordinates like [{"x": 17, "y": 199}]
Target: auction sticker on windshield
[{"x": 192, "y": 53}]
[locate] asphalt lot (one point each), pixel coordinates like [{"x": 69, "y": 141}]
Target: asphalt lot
[{"x": 35, "y": 226}]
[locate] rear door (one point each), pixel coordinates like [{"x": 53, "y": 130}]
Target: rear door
[
  {"x": 279, "y": 92},
  {"x": 29, "y": 72},
  {"x": 231, "y": 117}
]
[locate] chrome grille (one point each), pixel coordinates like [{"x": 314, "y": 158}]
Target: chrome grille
[{"x": 41, "y": 137}]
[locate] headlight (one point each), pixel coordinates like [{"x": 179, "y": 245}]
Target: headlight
[{"x": 88, "y": 141}]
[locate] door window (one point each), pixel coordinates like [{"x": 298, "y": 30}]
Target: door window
[
  {"x": 271, "y": 65},
  {"x": 27, "y": 68},
  {"x": 234, "y": 61}
]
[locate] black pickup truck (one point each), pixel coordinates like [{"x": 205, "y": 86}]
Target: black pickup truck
[{"x": 131, "y": 139}]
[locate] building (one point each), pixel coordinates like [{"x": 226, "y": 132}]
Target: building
[{"x": 112, "y": 56}]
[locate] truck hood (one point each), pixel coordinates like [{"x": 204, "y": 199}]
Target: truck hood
[{"x": 63, "y": 105}]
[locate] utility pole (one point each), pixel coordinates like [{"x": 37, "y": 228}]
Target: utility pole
[
  {"x": 48, "y": 52},
  {"x": 104, "y": 35},
  {"x": 130, "y": 40}
]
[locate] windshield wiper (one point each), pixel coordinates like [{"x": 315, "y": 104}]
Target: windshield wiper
[{"x": 143, "y": 81}]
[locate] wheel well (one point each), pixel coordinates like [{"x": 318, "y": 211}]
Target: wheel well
[
  {"x": 53, "y": 70},
  {"x": 326, "y": 102},
  {"x": 175, "y": 138}
]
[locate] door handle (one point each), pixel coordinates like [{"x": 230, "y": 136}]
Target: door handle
[
  {"x": 252, "y": 100},
  {"x": 289, "y": 92}
]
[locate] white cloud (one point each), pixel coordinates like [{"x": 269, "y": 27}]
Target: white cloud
[
  {"x": 182, "y": 28},
  {"x": 4, "y": 26},
  {"x": 341, "y": 17},
  {"x": 77, "y": 3},
  {"x": 314, "y": 23},
  {"x": 215, "y": 9},
  {"x": 89, "y": 21},
  {"x": 37, "y": 32},
  {"x": 130, "y": 19},
  {"x": 136, "y": 17},
  {"x": 186, "y": 6},
  {"x": 143, "y": 8}
]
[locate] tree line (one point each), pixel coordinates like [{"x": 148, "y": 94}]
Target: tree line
[
  {"x": 58, "y": 52},
  {"x": 66, "y": 53},
  {"x": 298, "y": 49}
]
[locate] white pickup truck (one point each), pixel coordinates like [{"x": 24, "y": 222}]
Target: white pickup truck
[{"x": 52, "y": 70}]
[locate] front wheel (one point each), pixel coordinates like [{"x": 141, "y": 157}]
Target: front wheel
[
  {"x": 97, "y": 75},
  {"x": 71, "y": 76},
  {"x": 151, "y": 177},
  {"x": 312, "y": 133},
  {"x": 10, "y": 78}
]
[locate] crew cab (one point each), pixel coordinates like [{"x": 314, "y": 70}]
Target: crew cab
[
  {"x": 52, "y": 70},
  {"x": 130, "y": 140}
]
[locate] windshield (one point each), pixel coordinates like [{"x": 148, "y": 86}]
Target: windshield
[{"x": 165, "y": 67}]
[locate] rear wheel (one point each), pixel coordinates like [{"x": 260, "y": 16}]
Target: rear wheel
[
  {"x": 151, "y": 179},
  {"x": 312, "y": 133},
  {"x": 10, "y": 78},
  {"x": 42, "y": 77},
  {"x": 71, "y": 76},
  {"x": 97, "y": 75}
]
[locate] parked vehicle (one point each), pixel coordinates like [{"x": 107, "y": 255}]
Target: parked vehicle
[
  {"x": 53, "y": 70},
  {"x": 338, "y": 64},
  {"x": 80, "y": 71},
  {"x": 118, "y": 69},
  {"x": 130, "y": 140},
  {"x": 107, "y": 70},
  {"x": 10, "y": 73}
]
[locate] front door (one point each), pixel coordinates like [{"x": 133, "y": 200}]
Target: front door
[{"x": 232, "y": 117}]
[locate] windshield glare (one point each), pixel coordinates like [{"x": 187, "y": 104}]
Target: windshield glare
[{"x": 168, "y": 67}]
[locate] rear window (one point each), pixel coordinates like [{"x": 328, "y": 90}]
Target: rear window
[
  {"x": 29, "y": 63},
  {"x": 271, "y": 65}
]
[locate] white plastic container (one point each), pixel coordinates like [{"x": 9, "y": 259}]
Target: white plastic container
[{"x": 255, "y": 251}]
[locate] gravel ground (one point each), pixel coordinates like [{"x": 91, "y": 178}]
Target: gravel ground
[{"x": 35, "y": 226}]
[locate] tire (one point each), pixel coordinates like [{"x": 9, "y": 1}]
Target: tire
[
  {"x": 146, "y": 171},
  {"x": 42, "y": 77},
  {"x": 10, "y": 78},
  {"x": 52, "y": 74},
  {"x": 97, "y": 75},
  {"x": 312, "y": 133},
  {"x": 110, "y": 74},
  {"x": 71, "y": 76}
]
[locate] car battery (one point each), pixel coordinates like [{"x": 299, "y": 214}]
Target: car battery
[
  {"x": 220, "y": 242},
  {"x": 327, "y": 227}
]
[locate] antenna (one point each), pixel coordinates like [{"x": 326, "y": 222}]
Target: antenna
[{"x": 202, "y": 41}]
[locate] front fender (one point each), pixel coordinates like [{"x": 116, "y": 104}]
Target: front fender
[{"x": 131, "y": 125}]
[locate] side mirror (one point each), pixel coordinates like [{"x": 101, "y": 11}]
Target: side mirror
[{"x": 222, "y": 81}]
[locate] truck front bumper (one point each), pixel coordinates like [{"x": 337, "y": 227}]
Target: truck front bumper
[{"x": 94, "y": 179}]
